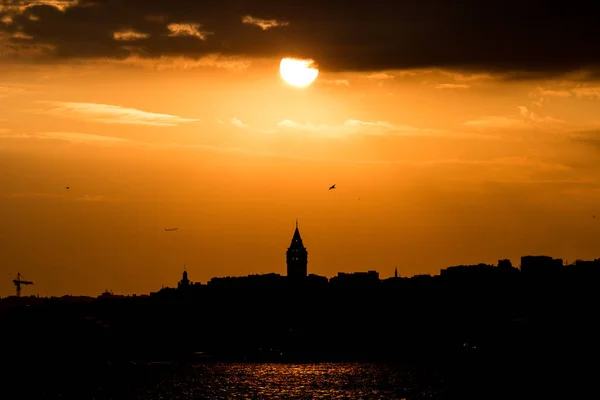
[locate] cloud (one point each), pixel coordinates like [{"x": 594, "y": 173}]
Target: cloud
[
  {"x": 236, "y": 122},
  {"x": 317, "y": 129},
  {"x": 542, "y": 95},
  {"x": 72, "y": 137},
  {"x": 112, "y": 114},
  {"x": 593, "y": 92},
  {"x": 128, "y": 35},
  {"x": 187, "y": 30},
  {"x": 263, "y": 24},
  {"x": 339, "y": 35},
  {"x": 21, "y": 35},
  {"x": 530, "y": 116},
  {"x": 380, "y": 76},
  {"x": 163, "y": 63},
  {"x": 352, "y": 127},
  {"x": 452, "y": 86},
  {"x": 529, "y": 119},
  {"x": 80, "y": 137},
  {"x": 554, "y": 93},
  {"x": 462, "y": 77},
  {"x": 21, "y": 5}
]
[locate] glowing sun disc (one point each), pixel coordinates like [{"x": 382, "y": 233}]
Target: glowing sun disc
[{"x": 298, "y": 72}]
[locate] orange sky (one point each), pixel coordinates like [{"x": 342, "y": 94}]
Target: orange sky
[
  {"x": 426, "y": 176},
  {"x": 433, "y": 168}
]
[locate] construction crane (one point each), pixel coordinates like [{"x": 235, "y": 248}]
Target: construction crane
[{"x": 18, "y": 282}]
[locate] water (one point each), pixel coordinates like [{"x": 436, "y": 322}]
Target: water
[
  {"x": 265, "y": 381},
  {"x": 228, "y": 381},
  {"x": 289, "y": 381}
]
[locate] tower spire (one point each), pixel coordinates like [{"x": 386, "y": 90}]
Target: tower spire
[{"x": 296, "y": 257}]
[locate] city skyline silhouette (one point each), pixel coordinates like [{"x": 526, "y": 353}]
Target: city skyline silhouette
[
  {"x": 521, "y": 323},
  {"x": 297, "y": 271},
  {"x": 318, "y": 199}
]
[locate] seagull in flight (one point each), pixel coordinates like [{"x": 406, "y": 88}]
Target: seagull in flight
[
  {"x": 332, "y": 187},
  {"x": 171, "y": 229},
  {"x": 68, "y": 187}
]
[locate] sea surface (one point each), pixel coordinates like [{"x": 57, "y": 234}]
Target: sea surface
[
  {"x": 223, "y": 380},
  {"x": 231, "y": 381},
  {"x": 288, "y": 381}
]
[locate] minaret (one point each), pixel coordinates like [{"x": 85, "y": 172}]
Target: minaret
[
  {"x": 396, "y": 272},
  {"x": 296, "y": 257}
]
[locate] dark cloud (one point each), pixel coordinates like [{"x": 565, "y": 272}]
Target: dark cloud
[{"x": 522, "y": 38}]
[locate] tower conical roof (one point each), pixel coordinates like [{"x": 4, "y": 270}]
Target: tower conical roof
[{"x": 296, "y": 239}]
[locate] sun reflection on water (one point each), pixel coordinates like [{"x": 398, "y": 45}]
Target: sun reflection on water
[{"x": 290, "y": 381}]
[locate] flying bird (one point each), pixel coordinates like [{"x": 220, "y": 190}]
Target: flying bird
[
  {"x": 171, "y": 229},
  {"x": 593, "y": 216},
  {"x": 332, "y": 187},
  {"x": 68, "y": 187}
]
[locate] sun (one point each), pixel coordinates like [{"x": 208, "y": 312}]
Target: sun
[{"x": 298, "y": 72}]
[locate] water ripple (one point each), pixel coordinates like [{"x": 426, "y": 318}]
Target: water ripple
[{"x": 233, "y": 381}]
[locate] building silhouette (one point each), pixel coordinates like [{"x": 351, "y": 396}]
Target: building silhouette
[
  {"x": 297, "y": 258},
  {"x": 540, "y": 266},
  {"x": 184, "y": 282},
  {"x": 355, "y": 279}
]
